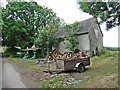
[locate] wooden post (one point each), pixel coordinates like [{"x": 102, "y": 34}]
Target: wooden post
[{"x": 48, "y": 65}]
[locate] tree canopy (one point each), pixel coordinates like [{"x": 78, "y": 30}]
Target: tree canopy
[
  {"x": 108, "y": 12},
  {"x": 72, "y": 29},
  {"x": 22, "y": 20},
  {"x": 46, "y": 38}
]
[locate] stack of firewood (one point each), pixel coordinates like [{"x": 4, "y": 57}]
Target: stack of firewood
[{"x": 56, "y": 55}]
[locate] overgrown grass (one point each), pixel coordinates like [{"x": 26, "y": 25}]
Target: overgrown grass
[
  {"x": 14, "y": 59},
  {"x": 102, "y": 73},
  {"x": 54, "y": 83},
  {"x": 108, "y": 53}
]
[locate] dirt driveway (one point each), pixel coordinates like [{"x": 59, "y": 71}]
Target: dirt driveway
[{"x": 12, "y": 77}]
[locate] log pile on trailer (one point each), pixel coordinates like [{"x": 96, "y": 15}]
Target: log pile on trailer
[
  {"x": 56, "y": 55},
  {"x": 67, "y": 61}
]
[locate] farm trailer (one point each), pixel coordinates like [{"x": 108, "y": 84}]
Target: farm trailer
[{"x": 70, "y": 64}]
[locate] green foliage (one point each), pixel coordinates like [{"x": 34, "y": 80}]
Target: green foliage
[
  {"x": 72, "y": 29},
  {"x": 73, "y": 43},
  {"x": 4, "y": 48},
  {"x": 14, "y": 59},
  {"x": 1, "y": 23},
  {"x": 107, "y": 53},
  {"x": 45, "y": 38},
  {"x": 20, "y": 55},
  {"x": 108, "y": 12},
  {"x": 61, "y": 38},
  {"x": 10, "y": 51},
  {"x": 54, "y": 83},
  {"x": 22, "y": 20}
]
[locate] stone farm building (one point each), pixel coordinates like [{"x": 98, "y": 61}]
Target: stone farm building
[{"x": 90, "y": 37}]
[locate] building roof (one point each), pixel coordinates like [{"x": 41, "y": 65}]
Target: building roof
[
  {"x": 85, "y": 25},
  {"x": 61, "y": 32}
]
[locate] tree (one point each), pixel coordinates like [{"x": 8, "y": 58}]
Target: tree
[
  {"x": 108, "y": 12},
  {"x": 1, "y": 23},
  {"x": 46, "y": 38},
  {"x": 22, "y": 20},
  {"x": 72, "y": 29}
]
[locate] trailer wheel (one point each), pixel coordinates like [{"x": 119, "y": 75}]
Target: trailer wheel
[{"x": 81, "y": 68}]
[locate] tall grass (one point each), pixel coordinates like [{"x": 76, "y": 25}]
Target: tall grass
[{"x": 107, "y": 53}]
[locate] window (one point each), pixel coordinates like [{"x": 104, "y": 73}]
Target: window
[{"x": 96, "y": 32}]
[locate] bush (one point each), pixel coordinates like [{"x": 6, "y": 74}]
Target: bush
[
  {"x": 107, "y": 53},
  {"x": 103, "y": 51},
  {"x": 10, "y": 51}
]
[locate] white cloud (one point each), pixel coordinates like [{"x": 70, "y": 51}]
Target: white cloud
[
  {"x": 65, "y": 9},
  {"x": 3, "y": 3},
  {"x": 110, "y": 38}
]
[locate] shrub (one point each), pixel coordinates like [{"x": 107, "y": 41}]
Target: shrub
[
  {"x": 10, "y": 51},
  {"x": 107, "y": 53}
]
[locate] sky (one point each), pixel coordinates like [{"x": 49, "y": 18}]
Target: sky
[{"x": 69, "y": 11}]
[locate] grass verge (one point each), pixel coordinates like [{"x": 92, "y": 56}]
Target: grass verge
[{"x": 102, "y": 73}]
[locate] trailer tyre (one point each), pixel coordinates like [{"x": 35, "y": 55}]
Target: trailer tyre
[{"x": 81, "y": 68}]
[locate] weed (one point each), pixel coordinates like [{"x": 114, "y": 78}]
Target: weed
[{"x": 54, "y": 83}]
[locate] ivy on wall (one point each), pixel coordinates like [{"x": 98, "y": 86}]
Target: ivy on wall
[
  {"x": 73, "y": 43},
  {"x": 72, "y": 29}
]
